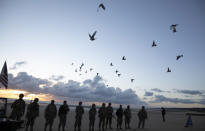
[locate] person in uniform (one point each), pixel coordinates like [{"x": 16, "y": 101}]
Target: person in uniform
[
  {"x": 79, "y": 111},
  {"x": 142, "y": 115},
  {"x": 62, "y": 113},
  {"x": 119, "y": 114},
  {"x": 32, "y": 113},
  {"x": 109, "y": 111},
  {"x": 50, "y": 115},
  {"x": 18, "y": 108},
  {"x": 92, "y": 113},
  {"x": 102, "y": 116},
  {"x": 163, "y": 113},
  {"x": 127, "y": 113}
]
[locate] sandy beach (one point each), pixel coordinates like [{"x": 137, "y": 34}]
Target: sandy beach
[{"x": 175, "y": 121}]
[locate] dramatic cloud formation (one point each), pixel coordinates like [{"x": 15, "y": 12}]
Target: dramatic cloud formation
[
  {"x": 18, "y": 64},
  {"x": 147, "y": 93},
  {"x": 161, "y": 98},
  {"x": 190, "y": 92},
  {"x": 56, "y": 78},
  {"x": 90, "y": 90}
]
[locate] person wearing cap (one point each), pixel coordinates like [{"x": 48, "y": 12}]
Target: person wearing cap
[
  {"x": 109, "y": 115},
  {"x": 102, "y": 116},
  {"x": 142, "y": 115},
  {"x": 32, "y": 113},
  {"x": 62, "y": 113},
  {"x": 119, "y": 114},
  {"x": 79, "y": 111},
  {"x": 128, "y": 115},
  {"x": 50, "y": 115},
  {"x": 18, "y": 107},
  {"x": 92, "y": 113}
]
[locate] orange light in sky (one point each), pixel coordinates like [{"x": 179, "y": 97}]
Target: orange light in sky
[{"x": 13, "y": 93}]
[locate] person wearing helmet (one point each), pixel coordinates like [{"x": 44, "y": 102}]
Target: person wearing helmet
[
  {"x": 32, "y": 113},
  {"x": 18, "y": 108}
]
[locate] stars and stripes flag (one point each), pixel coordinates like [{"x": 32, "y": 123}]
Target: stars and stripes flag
[{"x": 4, "y": 75}]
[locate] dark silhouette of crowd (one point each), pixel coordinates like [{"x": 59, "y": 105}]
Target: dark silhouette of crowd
[{"x": 105, "y": 114}]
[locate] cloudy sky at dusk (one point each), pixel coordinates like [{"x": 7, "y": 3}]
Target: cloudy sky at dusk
[{"x": 40, "y": 39}]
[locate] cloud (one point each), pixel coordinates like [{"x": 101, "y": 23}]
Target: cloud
[
  {"x": 56, "y": 78},
  {"x": 158, "y": 90},
  {"x": 17, "y": 65},
  {"x": 190, "y": 92},
  {"x": 161, "y": 98},
  {"x": 27, "y": 82},
  {"x": 147, "y": 93},
  {"x": 93, "y": 90}
]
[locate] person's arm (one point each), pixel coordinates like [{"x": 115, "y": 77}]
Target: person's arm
[
  {"x": 55, "y": 111},
  {"x": 145, "y": 115},
  {"x": 68, "y": 109},
  {"x": 59, "y": 111},
  {"x": 83, "y": 110},
  {"x": 38, "y": 111},
  {"x": 24, "y": 106},
  {"x": 13, "y": 104}
]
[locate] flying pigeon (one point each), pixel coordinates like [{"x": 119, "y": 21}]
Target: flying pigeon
[
  {"x": 111, "y": 64},
  {"x": 72, "y": 64},
  {"x": 168, "y": 70},
  {"x": 154, "y": 44},
  {"x": 116, "y": 71},
  {"x": 173, "y": 27},
  {"x": 118, "y": 75},
  {"x": 76, "y": 70},
  {"x": 178, "y": 57},
  {"x": 123, "y": 58},
  {"x": 92, "y": 37},
  {"x": 91, "y": 69},
  {"x": 132, "y": 80},
  {"x": 82, "y": 64},
  {"x": 101, "y": 6}
]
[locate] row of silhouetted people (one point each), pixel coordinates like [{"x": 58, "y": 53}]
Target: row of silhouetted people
[{"x": 105, "y": 115}]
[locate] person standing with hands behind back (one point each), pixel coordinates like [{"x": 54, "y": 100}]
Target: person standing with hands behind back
[
  {"x": 142, "y": 114},
  {"x": 163, "y": 113},
  {"x": 62, "y": 113}
]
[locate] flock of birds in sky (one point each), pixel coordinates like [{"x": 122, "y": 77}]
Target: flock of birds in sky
[{"x": 92, "y": 38}]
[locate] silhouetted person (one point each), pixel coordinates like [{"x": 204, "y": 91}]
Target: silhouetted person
[
  {"x": 119, "y": 114},
  {"x": 32, "y": 113},
  {"x": 92, "y": 113},
  {"x": 102, "y": 116},
  {"x": 62, "y": 114},
  {"x": 79, "y": 111},
  {"x": 163, "y": 113},
  {"x": 109, "y": 111},
  {"x": 127, "y": 113},
  {"x": 142, "y": 114},
  {"x": 18, "y": 107},
  {"x": 50, "y": 115}
]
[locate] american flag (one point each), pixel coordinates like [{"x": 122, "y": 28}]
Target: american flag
[{"x": 4, "y": 75}]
